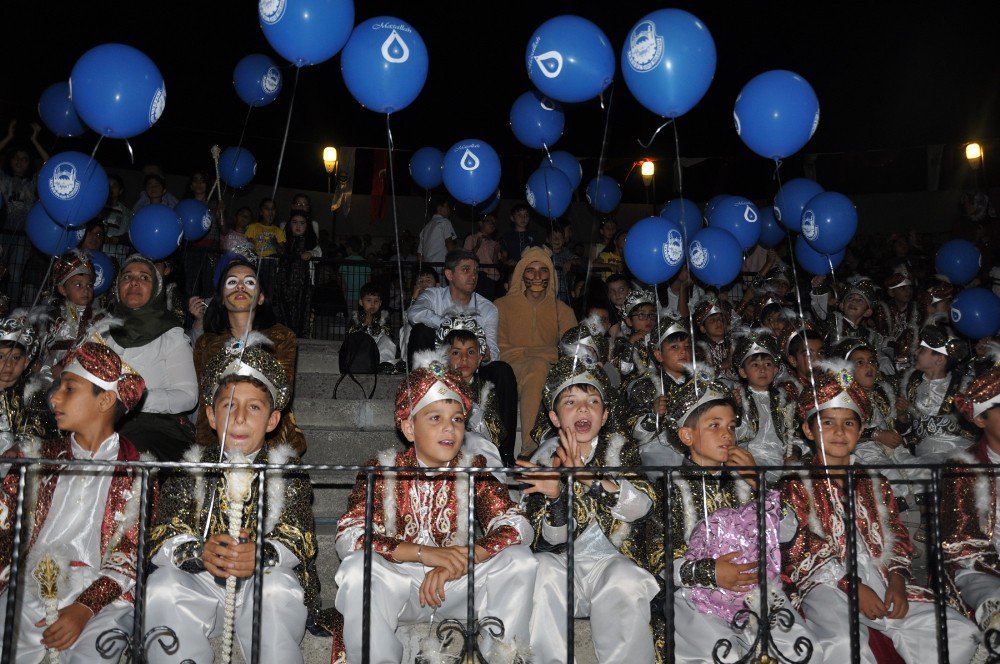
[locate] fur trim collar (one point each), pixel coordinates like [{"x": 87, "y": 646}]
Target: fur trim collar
[
  {"x": 194, "y": 454},
  {"x": 983, "y": 491},
  {"x": 278, "y": 455},
  {"x": 388, "y": 458}
]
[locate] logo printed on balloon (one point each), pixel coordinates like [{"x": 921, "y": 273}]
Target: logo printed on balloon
[
  {"x": 809, "y": 228},
  {"x": 548, "y": 104},
  {"x": 470, "y": 161},
  {"x": 815, "y": 124},
  {"x": 673, "y": 248},
  {"x": 956, "y": 315},
  {"x": 645, "y": 47},
  {"x": 206, "y": 221},
  {"x": 530, "y": 196},
  {"x": 394, "y": 49},
  {"x": 550, "y": 63},
  {"x": 271, "y": 80},
  {"x": 271, "y": 11},
  {"x": 64, "y": 185},
  {"x": 736, "y": 120},
  {"x": 157, "y": 105},
  {"x": 749, "y": 215},
  {"x": 777, "y": 213},
  {"x": 98, "y": 276},
  {"x": 699, "y": 255}
]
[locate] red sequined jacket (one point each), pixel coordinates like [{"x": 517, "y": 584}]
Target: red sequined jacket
[
  {"x": 119, "y": 526},
  {"x": 820, "y": 537},
  {"x": 968, "y": 518},
  {"x": 430, "y": 508}
]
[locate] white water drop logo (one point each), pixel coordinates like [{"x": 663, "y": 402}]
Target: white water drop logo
[
  {"x": 271, "y": 11},
  {"x": 157, "y": 105},
  {"x": 956, "y": 315},
  {"x": 809, "y": 228},
  {"x": 550, "y": 63},
  {"x": 548, "y": 104},
  {"x": 529, "y": 195},
  {"x": 699, "y": 255},
  {"x": 749, "y": 215},
  {"x": 271, "y": 80},
  {"x": 394, "y": 49},
  {"x": 470, "y": 161},
  {"x": 98, "y": 276},
  {"x": 777, "y": 213},
  {"x": 736, "y": 120},
  {"x": 645, "y": 47},
  {"x": 206, "y": 221},
  {"x": 64, "y": 184},
  {"x": 815, "y": 124},
  {"x": 673, "y": 248}
]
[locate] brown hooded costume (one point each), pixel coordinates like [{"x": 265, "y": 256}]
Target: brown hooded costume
[{"x": 529, "y": 334}]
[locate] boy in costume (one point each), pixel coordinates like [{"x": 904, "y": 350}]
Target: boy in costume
[
  {"x": 630, "y": 354},
  {"x": 22, "y": 400}
]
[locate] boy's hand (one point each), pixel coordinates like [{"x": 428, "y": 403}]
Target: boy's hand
[
  {"x": 432, "y": 587},
  {"x": 737, "y": 396},
  {"x": 660, "y": 406},
  {"x": 889, "y": 438},
  {"x": 571, "y": 455},
  {"x": 895, "y": 601},
  {"x": 224, "y": 556},
  {"x": 451, "y": 559},
  {"x": 636, "y": 337},
  {"x": 64, "y": 632},
  {"x": 734, "y": 576},
  {"x": 740, "y": 457},
  {"x": 869, "y": 604},
  {"x": 547, "y": 484}
]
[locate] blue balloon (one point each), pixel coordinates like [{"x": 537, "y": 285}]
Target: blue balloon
[
  {"x": 771, "y": 232},
  {"x": 426, "y": 166},
  {"x": 776, "y": 113},
  {"x": 570, "y": 59},
  {"x": 237, "y": 167},
  {"x": 117, "y": 90},
  {"x": 813, "y": 262},
  {"x": 471, "y": 171},
  {"x": 669, "y": 61},
  {"x": 567, "y": 163},
  {"x": 104, "y": 272},
  {"x": 196, "y": 217},
  {"x": 548, "y": 192},
  {"x": 73, "y": 187},
  {"x": 604, "y": 194},
  {"x": 710, "y": 206},
  {"x": 384, "y": 64},
  {"x": 537, "y": 121},
  {"x": 156, "y": 231},
  {"x": 257, "y": 80},
  {"x": 306, "y": 32},
  {"x": 740, "y": 217},
  {"x": 56, "y": 110},
  {"x": 790, "y": 202},
  {"x": 488, "y": 206},
  {"x": 684, "y": 212},
  {"x": 829, "y": 222},
  {"x": 975, "y": 312},
  {"x": 959, "y": 260},
  {"x": 49, "y": 237},
  {"x": 715, "y": 256},
  {"x": 654, "y": 249}
]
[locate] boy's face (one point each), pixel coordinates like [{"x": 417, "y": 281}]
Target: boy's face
[
  {"x": 800, "y": 361},
  {"x": 78, "y": 289},
  {"x": 425, "y": 281},
  {"x": 371, "y": 304},
  {"x": 901, "y": 294},
  {"x": 928, "y": 360},
  {"x": 13, "y": 362},
  {"x": 642, "y": 318},
  {"x": 464, "y": 357},
  {"x": 74, "y": 403},
  {"x": 775, "y": 321},
  {"x": 251, "y": 417},
  {"x": 855, "y": 307},
  {"x": 520, "y": 220},
  {"x": 841, "y": 430},
  {"x": 714, "y": 326},
  {"x": 865, "y": 368},
  {"x": 673, "y": 356},
  {"x": 617, "y": 292},
  {"x": 989, "y": 422},
  {"x": 712, "y": 437},
  {"x": 602, "y": 314},
  {"x": 556, "y": 241},
  {"x": 759, "y": 371},
  {"x": 581, "y": 411},
  {"x": 437, "y": 432},
  {"x": 780, "y": 287}
]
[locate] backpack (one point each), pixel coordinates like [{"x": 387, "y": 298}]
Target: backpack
[{"x": 358, "y": 355}]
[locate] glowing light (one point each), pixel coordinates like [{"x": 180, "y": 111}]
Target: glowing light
[
  {"x": 973, "y": 151},
  {"x": 330, "y": 159}
]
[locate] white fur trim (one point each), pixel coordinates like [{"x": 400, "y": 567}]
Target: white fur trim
[
  {"x": 888, "y": 538},
  {"x": 423, "y": 359},
  {"x": 687, "y": 504},
  {"x": 984, "y": 496},
  {"x": 388, "y": 458},
  {"x": 484, "y": 393},
  {"x": 193, "y": 455},
  {"x": 462, "y": 500},
  {"x": 279, "y": 456},
  {"x": 130, "y": 514}
]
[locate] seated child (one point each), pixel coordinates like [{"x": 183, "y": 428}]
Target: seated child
[
  {"x": 202, "y": 541},
  {"x": 703, "y": 416},
  {"x": 649, "y": 394},
  {"x": 371, "y": 318},
  {"x": 23, "y": 411},
  {"x": 898, "y": 319},
  {"x": 815, "y": 545},
  {"x": 420, "y": 533},
  {"x": 72, "y": 308},
  {"x": 631, "y": 351},
  {"x": 972, "y": 557},
  {"x": 767, "y": 422},
  {"x": 714, "y": 317},
  {"x": 610, "y": 583},
  {"x": 855, "y": 309},
  {"x": 82, "y": 534},
  {"x": 803, "y": 347},
  {"x": 426, "y": 278}
]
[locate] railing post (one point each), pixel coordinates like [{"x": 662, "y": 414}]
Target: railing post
[
  {"x": 366, "y": 604},
  {"x": 470, "y": 599},
  {"x": 10, "y": 626},
  {"x": 668, "y": 552},
  {"x": 258, "y": 569},
  {"x": 938, "y": 566},
  {"x": 763, "y": 624},
  {"x": 139, "y": 590},
  {"x": 852, "y": 565},
  {"x": 570, "y": 595}
]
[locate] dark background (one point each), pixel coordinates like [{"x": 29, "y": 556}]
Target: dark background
[{"x": 892, "y": 78}]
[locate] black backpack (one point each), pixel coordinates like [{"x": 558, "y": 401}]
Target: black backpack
[{"x": 358, "y": 355}]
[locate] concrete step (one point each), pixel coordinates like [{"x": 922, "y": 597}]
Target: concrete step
[
  {"x": 316, "y": 385},
  {"x": 346, "y": 414}
]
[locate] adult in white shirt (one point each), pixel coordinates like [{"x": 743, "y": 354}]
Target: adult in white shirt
[
  {"x": 153, "y": 343},
  {"x": 437, "y": 237},
  {"x": 461, "y": 269}
]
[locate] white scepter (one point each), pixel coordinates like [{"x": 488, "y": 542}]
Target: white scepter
[
  {"x": 47, "y": 573},
  {"x": 238, "y": 483}
]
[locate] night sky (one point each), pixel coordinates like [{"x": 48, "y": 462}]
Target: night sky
[{"x": 889, "y": 76}]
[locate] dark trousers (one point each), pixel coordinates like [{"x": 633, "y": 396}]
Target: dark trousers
[{"x": 497, "y": 372}]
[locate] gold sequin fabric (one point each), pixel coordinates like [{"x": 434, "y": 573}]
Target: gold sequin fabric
[{"x": 30, "y": 416}]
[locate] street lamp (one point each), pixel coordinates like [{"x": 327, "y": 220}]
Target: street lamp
[
  {"x": 647, "y": 170},
  {"x": 974, "y": 153},
  {"x": 330, "y": 163}
]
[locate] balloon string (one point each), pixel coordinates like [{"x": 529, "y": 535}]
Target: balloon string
[
  {"x": 395, "y": 228},
  {"x": 239, "y": 149},
  {"x": 548, "y": 155},
  {"x": 93, "y": 153},
  {"x": 288, "y": 124},
  {"x": 131, "y": 153},
  {"x": 655, "y": 133},
  {"x": 597, "y": 191},
  {"x": 687, "y": 256}
]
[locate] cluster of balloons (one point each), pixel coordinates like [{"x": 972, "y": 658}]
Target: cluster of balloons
[
  {"x": 156, "y": 231},
  {"x": 975, "y": 312}
]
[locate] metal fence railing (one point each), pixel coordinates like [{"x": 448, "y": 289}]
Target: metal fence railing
[{"x": 762, "y": 619}]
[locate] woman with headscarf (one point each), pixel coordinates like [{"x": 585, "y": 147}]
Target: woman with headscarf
[
  {"x": 151, "y": 340},
  {"x": 532, "y": 320}
]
